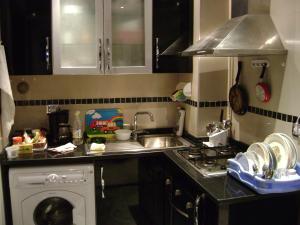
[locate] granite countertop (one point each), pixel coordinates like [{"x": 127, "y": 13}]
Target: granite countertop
[
  {"x": 79, "y": 155},
  {"x": 113, "y": 149},
  {"x": 221, "y": 189}
]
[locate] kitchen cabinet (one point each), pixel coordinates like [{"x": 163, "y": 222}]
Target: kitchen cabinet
[
  {"x": 26, "y": 36},
  {"x": 185, "y": 203},
  {"x": 117, "y": 192},
  {"x": 102, "y": 37},
  {"x": 151, "y": 188},
  {"x": 172, "y": 33}
]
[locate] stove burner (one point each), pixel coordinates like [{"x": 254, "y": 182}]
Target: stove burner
[
  {"x": 208, "y": 161},
  {"x": 194, "y": 151}
]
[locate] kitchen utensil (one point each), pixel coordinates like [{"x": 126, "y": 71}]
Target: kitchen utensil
[
  {"x": 221, "y": 115},
  {"x": 262, "y": 89},
  {"x": 238, "y": 97},
  {"x": 123, "y": 134}
]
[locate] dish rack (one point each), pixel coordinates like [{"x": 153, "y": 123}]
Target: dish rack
[{"x": 264, "y": 186}]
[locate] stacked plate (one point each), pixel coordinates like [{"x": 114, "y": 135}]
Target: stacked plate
[{"x": 276, "y": 156}]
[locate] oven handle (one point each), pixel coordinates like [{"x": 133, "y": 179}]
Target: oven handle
[
  {"x": 179, "y": 211},
  {"x": 198, "y": 203}
]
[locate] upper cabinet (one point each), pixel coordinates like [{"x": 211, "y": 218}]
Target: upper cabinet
[
  {"x": 102, "y": 37},
  {"x": 26, "y": 35},
  {"x": 172, "y": 33},
  {"x": 96, "y": 36}
]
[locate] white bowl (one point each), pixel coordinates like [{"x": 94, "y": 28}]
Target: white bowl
[
  {"x": 123, "y": 134},
  {"x": 12, "y": 151}
]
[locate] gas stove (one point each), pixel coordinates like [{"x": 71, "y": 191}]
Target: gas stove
[{"x": 209, "y": 161}]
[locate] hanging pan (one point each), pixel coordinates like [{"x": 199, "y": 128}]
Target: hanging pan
[
  {"x": 262, "y": 89},
  {"x": 238, "y": 97}
]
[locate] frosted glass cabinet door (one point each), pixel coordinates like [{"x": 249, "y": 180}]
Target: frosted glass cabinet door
[
  {"x": 127, "y": 36},
  {"x": 77, "y": 26}
]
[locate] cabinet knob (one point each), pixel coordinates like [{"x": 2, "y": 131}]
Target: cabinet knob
[
  {"x": 168, "y": 182},
  {"x": 178, "y": 192},
  {"x": 189, "y": 205}
]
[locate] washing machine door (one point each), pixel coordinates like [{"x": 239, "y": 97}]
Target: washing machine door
[{"x": 55, "y": 208}]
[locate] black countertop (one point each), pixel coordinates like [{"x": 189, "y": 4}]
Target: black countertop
[
  {"x": 79, "y": 155},
  {"x": 221, "y": 189}
]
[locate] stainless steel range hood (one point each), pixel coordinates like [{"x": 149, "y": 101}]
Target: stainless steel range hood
[{"x": 248, "y": 35}]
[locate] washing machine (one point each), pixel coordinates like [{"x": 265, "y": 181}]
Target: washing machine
[{"x": 56, "y": 195}]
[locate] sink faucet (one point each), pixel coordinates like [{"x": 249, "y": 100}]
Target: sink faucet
[{"x": 135, "y": 131}]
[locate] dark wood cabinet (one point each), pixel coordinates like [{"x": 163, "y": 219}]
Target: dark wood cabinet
[
  {"x": 172, "y": 33},
  {"x": 151, "y": 188},
  {"x": 26, "y": 36}
]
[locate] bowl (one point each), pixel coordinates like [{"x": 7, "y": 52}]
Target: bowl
[{"x": 123, "y": 134}]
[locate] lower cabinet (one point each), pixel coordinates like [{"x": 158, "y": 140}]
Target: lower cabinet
[
  {"x": 118, "y": 193},
  {"x": 152, "y": 190},
  {"x": 185, "y": 203}
]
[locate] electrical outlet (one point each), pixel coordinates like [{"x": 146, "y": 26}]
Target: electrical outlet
[{"x": 52, "y": 108}]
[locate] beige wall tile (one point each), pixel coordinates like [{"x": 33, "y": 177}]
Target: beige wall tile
[
  {"x": 258, "y": 6},
  {"x": 164, "y": 114},
  {"x": 89, "y": 86},
  {"x": 57, "y": 87},
  {"x": 213, "y": 85}
]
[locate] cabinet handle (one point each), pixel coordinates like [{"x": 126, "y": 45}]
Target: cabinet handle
[
  {"x": 108, "y": 55},
  {"x": 198, "y": 201},
  {"x": 47, "y": 53},
  {"x": 102, "y": 182},
  {"x": 179, "y": 211},
  {"x": 100, "y": 55},
  {"x": 156, "y": 53}
]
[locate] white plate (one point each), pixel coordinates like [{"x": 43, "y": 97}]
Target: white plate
[
  {"x": 266, "y": 158},
  {"x": 280, "y": 148},
  {"x": 294, "y": 151}
]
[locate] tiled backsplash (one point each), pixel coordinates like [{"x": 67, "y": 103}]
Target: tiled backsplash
[
  {"x": 130, "y": 93},
  {"x": 91, "y": 101}
]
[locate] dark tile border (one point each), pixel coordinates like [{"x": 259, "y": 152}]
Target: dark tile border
[
  {"x": 92, "y": 101},
  {"x": 206, "y": 104},
  {"x": 272, "y": 114}
]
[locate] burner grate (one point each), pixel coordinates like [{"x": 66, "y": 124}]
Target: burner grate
[{"x": 208, "y": 161}]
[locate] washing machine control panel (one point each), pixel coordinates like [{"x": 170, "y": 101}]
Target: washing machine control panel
[{"x": 65, "y": 179}]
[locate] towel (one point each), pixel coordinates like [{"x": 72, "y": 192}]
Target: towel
[
  {"x": 7, "y": 101},
  {"x": 69, "y": 147}
]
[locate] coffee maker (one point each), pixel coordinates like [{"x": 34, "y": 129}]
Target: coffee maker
[{"x": 58, "y": 122}]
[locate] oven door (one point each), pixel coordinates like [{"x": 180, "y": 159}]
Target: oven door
[
  {"x": 54, "y": 207},
  {"x": 184, "y": 207}
]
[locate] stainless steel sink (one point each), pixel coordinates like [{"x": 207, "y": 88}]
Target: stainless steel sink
[{"x": 159, "y": 141}]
